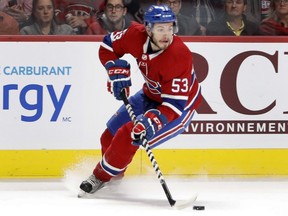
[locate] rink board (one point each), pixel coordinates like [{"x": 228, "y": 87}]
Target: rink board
[
  {"x": 196, "y": 162},
  {"x": 240, "y": 130}
]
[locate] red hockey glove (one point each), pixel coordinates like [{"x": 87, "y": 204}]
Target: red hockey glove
[
  {"x": 118, "y": 77},
  {"x": 147, "y": 125}
]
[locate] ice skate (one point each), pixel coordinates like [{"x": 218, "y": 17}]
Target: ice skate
[{"x": 91, "y": 185}]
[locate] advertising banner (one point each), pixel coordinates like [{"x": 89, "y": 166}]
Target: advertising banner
[
  {"x": 245, "y": 103},
  {"x": 53, "y": 96}
]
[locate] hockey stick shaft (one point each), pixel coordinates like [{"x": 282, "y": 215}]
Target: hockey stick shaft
[{"x": 148, "y": 151}]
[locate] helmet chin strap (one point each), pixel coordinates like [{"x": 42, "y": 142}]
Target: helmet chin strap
[{"x": 152, "y": 40}]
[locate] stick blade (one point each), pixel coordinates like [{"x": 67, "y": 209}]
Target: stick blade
[{"x": 181, "y": 204}]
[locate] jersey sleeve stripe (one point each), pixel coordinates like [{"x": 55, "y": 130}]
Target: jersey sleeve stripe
[
  {"x": 107, "y": 47},
  {"x": 173, "y": 131},
  {"x": 177, "y": 97},
  {"x": 179, "y": 112},
  {"x": 108, "y": 41},
  {"x": 177, "y": 103},
  {"x": 198, "y": 93},
  {"x": 193, "y": 78}
]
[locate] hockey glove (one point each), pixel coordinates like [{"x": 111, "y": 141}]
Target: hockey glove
[
  {"x": 118, "y": 77},
  {"x": 147, "y": 125}
]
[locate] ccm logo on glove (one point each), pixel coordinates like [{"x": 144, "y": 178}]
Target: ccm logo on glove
[
  {"x": 119, "y": 71},
  {"x": 118, "y": 77}
]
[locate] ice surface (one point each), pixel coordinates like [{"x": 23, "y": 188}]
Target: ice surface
[{"x": 144, "y": 195}]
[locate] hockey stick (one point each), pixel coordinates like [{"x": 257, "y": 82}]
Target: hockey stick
[{"x": 145, "y": 144}]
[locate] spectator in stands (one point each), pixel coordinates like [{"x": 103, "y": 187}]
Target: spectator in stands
[
  {"x": 264, "y": 9},
  {"x": 43, "y": 18},
  {"x": 206, "y": 11},
  {"x": 20, "y": 10},
  {"x": 277, "y": 22},
  {"x": 113, "y": 18},
  {"x": 135, "y": 10},
  {"x": 8, "y": 25},
  {"x": 187, "y": 25},
  {"x": 78, "y": 14},
  {"x": 233, "y": 22}
]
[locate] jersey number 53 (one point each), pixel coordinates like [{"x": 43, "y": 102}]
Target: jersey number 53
[{"x": 180, "y": 85}]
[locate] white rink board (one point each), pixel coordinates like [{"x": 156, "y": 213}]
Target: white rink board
[{"x": 87, "y": 106}]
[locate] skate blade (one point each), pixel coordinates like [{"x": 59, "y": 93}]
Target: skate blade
[
  {"x": 181, "y": 204},
  {"x": 81, "y": 194}
]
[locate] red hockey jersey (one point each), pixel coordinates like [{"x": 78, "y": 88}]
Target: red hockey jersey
[{"x": 168, "y": 74}]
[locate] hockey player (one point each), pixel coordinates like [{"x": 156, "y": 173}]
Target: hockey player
[{"x": 165, "y": 104}]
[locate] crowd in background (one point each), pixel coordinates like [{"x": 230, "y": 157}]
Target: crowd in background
[{"x": 91, "y": 17}]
